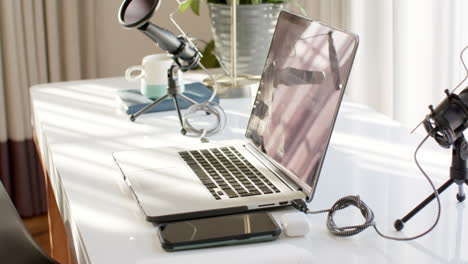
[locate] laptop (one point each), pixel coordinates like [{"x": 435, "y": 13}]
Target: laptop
[{"x": 285, "y": 143}]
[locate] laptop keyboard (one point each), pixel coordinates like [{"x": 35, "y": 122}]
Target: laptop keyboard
[{"x": 226, "y": 173}]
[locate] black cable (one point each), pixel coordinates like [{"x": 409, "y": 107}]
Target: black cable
[{"x": 366, "y": 211}]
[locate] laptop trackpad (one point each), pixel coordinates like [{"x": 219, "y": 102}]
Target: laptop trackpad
[
  {"x": 167, "y": 191},
  {"x": 143, "y": 159}
]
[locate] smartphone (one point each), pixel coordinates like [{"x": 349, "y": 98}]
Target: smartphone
[{"x": 219, "y": 231}]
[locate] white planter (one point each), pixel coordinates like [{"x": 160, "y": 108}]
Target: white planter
[{"x": 255, "y": 27}]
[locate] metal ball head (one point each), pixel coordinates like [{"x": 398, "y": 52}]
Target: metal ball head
[
  {"x": 460, "y": 198},
  {"x": 183, "y": 131},
  {"x": 399, "y": 225}
]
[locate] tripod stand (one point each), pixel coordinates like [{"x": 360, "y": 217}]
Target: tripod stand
[
  {"x": 458, "y": 175},
  {"x": 173, "y": 90}
]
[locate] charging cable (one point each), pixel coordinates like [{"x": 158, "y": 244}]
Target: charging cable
[
  {"x": 195, "y": 117},
  {"x": 366, "y": 211}
]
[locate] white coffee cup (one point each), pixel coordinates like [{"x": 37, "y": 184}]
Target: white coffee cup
[{"x": 153, "y": 75}]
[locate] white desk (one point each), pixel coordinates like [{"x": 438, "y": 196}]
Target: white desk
[{"x": 77, "y": 130}]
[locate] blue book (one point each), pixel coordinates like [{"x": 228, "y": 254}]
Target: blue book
[{"x": 132, "y": 101}]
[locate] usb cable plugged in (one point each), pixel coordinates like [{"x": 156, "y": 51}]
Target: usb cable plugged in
[
  {"x": 342, "y": 203},
  {"x": 355, "y": 200}
]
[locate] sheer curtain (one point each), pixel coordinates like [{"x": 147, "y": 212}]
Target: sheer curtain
[
  {"x": 408, "y": 53},
  {"x": 40, "y": 41}
]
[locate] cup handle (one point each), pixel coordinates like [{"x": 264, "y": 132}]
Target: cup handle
[{"x": 129, "y": 71}]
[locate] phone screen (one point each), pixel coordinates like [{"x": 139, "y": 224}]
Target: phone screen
[{"x": 218, "y": 227}]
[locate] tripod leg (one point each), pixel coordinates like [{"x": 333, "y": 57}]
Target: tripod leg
[
  {"x": 400, "y": 223},
  {"x": 176, "y": 103},
  {"x": 461, "y": 193},
  {"x": 188, "y": 99},
  {"x": 133, "y": 117}
]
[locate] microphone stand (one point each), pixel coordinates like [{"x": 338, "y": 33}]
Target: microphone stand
[
  {"x": 173, "y": 90},
  {"x": 458, "y": 175}
]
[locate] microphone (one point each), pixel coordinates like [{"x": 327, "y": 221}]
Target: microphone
[
  {"x": 177, "y": 46},
  {"x": 137, "y": 13},
  {"x": 449, "y": 119}
]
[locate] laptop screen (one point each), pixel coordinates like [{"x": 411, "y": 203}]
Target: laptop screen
[{"x": 300, "y": 93}]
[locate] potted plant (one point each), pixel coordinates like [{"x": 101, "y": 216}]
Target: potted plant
[{"x": 256, "y": 21}]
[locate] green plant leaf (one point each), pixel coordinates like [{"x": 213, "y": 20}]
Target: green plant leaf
[
  {"x": 195, "y": 6},
  {"x": 209, "y": 59},
  {"x": 183, "y": 7}
]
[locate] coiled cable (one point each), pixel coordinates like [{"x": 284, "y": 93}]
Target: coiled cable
[
  {"x": 197, "y": 113},
  {"x": 367, "y": 212},
  {"x": 195, "y": 117}
]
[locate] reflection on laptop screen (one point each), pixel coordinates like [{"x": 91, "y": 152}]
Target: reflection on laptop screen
[{"x": 300, "y": 93}]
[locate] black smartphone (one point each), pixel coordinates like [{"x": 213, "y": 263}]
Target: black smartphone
[{"x": 219, "y": 231}]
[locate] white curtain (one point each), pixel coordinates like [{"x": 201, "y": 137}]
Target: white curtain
[
  {"x": 40, "y": 41},
  {"x": 408, "y": 53}
]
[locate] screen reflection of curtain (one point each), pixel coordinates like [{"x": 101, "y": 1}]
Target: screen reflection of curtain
[
  {"x": 40, "y": 41},
  {"x": 408, "y": 50}
]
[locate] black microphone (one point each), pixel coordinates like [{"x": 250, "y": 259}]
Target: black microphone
[
  {"x": 137, "y": 13},
  {"x": 177, "y": 46},
  {"x": 449, "y": 119}
]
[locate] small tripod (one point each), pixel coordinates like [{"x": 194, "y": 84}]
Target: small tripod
[
  {"x": 458, "y": 175},
  {"x": 173, "y": 90}
]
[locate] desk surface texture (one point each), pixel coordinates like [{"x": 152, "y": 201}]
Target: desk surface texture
[{"x": 78, "y": 129}]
